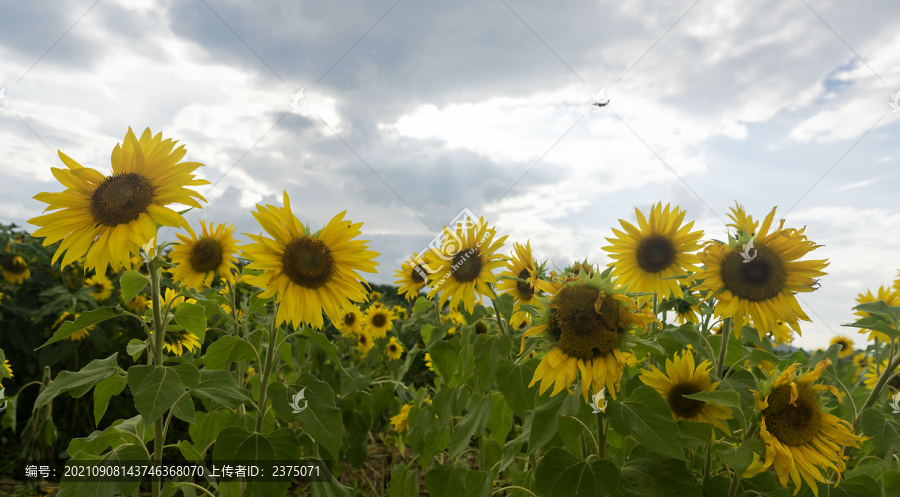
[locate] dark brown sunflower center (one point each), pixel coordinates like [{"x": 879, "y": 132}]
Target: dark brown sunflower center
[
  {"x": 392, "y": 347},
  {"x": 466, "y": 265},
  {"x": 759, "y": 279},
  {"x": 121, "y": 198},
  {"x": 349, "y": 319},
  {"x": 14, "y": 265},
  {"x": 363, "y": 339},
  {"x": 206, "y": 255},
  {"x": 584, "y": 332},
  {"x": 99, "y": 285},
  {"x": 525, "y": 290},
  {"x": 655, "y": 253},
  {"x": 843, "y": 344},
  {"x": 379, "y": 320},
  {"x": 793, "y": 424},
  {"x": 682, "y": 406},
  {"x": 308, "y": 262},
  {"x": 418, "y": 274},
  {"x": 480, "y": 328}
]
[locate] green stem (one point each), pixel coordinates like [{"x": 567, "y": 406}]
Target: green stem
[
  {"x": 735, "y": 479},
  {"x": 601, "y": 436},
  {"x": 157, "y": 341},
  {"x": 267, "y": 372},
  {"x": 726, "y": 330},
  {"x": 588, "y": 431},
  {"x": 499, "y": 321},
  {"x": 706, "y": 467},
  {"x": 893, "y": 363}
]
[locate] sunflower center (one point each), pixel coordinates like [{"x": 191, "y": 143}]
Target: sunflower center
[
  {"x": 793, "y": 424},
  {"x": 206, "y": 255},
  {"x": 842, "y": 343},
  {"x": 682, "y": 406},
  {"x": 759, "y": 279},
  {"x": 379, "y": 320},
  {"x": 392, "y": 347},
  {"x": 584, "y": 332},
  {"x": 418, "y": 274},
  {"x": 480, "y": 328},
  {"x": 121, "y": 198},
  {"x": 14, "y": 265},
  {"x": 525, "y": 290},
  {"x": 655, "y": 253},
  {"x": 308, "y": 262},
  {"x": 466, "y": 265},
  {"x": 349, "y": 319}
]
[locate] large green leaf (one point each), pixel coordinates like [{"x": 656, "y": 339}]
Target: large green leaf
[
  {"x": 322, "y": 341},
  {"x": 220, "y": 388},
  {"x": 475, "y": 421},
  {"x": 78, "y": 487},
  {"x": 857, "y": 486},
  {"x": 489, "y": 349},
  {"x": 512, "y": 382},
  {"x": 727, "y": 398},
  {"x": 156, "y": 388},
  {"x": 227, "y": 350},
  {"x": 561, "y": 474},
  {"x": 428, "y": 435},
  {"x": 646, "y": 416},
  {"x": 646, "y": 474},
  {"x": 321, "y": 419},
  {"x": 131, "y": 283},
  {"x": 235, "y": 444},
  {"x": 192, "y": 318},
  {"x": 501, "y": 420},
  {"x": 85, "y": 319},
  {"x": 445, "y": 356},
  {"x": 885, "y": 432},
  {"x": 105, "y": 390},
  {"x": 78, "y": 384},
  {"x": 547, "y": 411}
]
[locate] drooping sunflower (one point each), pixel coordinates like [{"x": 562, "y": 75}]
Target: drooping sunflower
[
  {"x": 351, "y": 322},
  {"x": 400, "y": 421},
  {"x": 309, "y": 272},
  {"x": 585, "y": 319},
  {"x": 659, "y": 248},
  {"x": 102, "y": 287},
  {"x": 8, "y": 368},
  {"x": 179, "y": 341},
  {"x": 846, "y": 345},
  {"x": 755, "y": 276},
  {"x": 378, "y": 320},
  {"x": 411, "y": 277},
  {"x": 521, "y": 265},
  {"x": 197, "y": 260},
  {"x": 873, "y": 373},
  {"x": 110, "y": 217},
  {"x": 683, "y": 378},
  {"x": 889, "y": 296},
  {"x": 364, "y": 342},
  {"x": 394, "y": 349},
  {"x": 465, "y": 264},
  {"x": 14, "y": 269},
  {"x": 78, "y": 335},
  {"x": 802, "y": 439}
]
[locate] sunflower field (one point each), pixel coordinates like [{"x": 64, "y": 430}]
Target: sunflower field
[{"x": 206, "y": 366}]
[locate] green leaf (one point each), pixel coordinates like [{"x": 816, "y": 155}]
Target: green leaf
[
  {"x": 78, "y": 487},
  {"x": 445, "y": 356},
  {"x": 104, "y": 391},
  {"x": 475, "y": 421},
  {"x": 227, "y": 350},
  {"x": 876, "y": 323},
  {"x": 188, "y": 451},
  {"x": 489, "y": 349},
  {"x": 501, "y": 420},
  {"x": 192, "y": 318},
  {"x": 78, "y": 384},
  {"x": 547, "y": 411},
  {"x": 404, "y": 481},
  {"x": 237, "y": 444},
  {"x": 422, "y": 304},
  {"x": 322, "y": 341},
  {"x": 740, "y": 458},
  {"x": 428, "y": 435},
  {"x": 512, "y": 382},
  {"x": 560, "y": 474},
  {"x": 885, "y": 432},
  {"x": 444, "y": 481},
  {"x": 131, "y": 283},
  {"x": 646, "y": 416},
  {"x": 647, "y": 474},
  {"x": 727, "y": 398},
  {"x": 85, "y": 319},
  {"x": 156, "y": 388},
  {"x": 504, "y": 304},
  {"x": 857, "y": 486},
  {"x": 220, "y": 388},
  {"x": 135, "y": 348},
  {"x": 321, "y": 419},
  {"x": 880, "y": 309}
]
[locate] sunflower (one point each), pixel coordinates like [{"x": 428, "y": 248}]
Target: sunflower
[
  {"x": 394, "y": 349},
  {"x": 102, "y": 287},
  {"x": 651, "y": 255},
  {"x": 350, "y": 323},
  {"x": 585, "y": 318},
  {"x": 464, "y": 264},
  {"x": 110, "y": 217},
  {"x": 428, "y": 362},
  {"x": 685, "y": 307},
  {"x": 846, "y": 345},
  {"x": 521, "y": 265},
  {"x": 137, "y": 264},
  {"x": 873, "y": 373},
  {"x": 800, "y": 437},
  {"x": 411, "y": 277},
  {"x": 862, "y": 361},
  {"x": 198, "y": 260},
  {"x": 758, "y": 279},
  {"x": 138, "y": 304},
  {"x": 238, "y": 314},
  {"x": 8, "y": 368},
  {"x": 456, "y": 318},
  {"x": 682, "y": 378},
  {"x": 400, "y": 421},
  {"x": 364, "y": 342},
  {"x": 400, "y": 312},
  {"x": 309, "y": 272},
  {"x": 176, "y": 340},
  {"x": 78, "y": 335},
  {"x": 378, "y": 320},
  {"x": 890, "y": 297},
  {"x": 14, "y": 269},
  {"x": 374, "y": 296},
  {"x": 170, "y": 299}
]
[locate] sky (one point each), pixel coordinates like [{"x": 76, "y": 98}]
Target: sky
[{"x": 405, "y": 113}]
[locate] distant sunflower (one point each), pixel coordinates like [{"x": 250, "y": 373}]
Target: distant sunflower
[
  {"x": 237, "y": 313},
  {"x": 374, "y": 296},
  {"x": 378, "y": 320},
  {"x": 400, "y": 422},
  {"x": 682, "y": 378},
  {"x": 521, "y": 265},
  {"x": 198, "y": 260},
  {"x": 889, "y": 296},
  {"x": 428, "y": 362},
  {"x": 351, "y": 322},
  {"x": 138, "y": 304},
  {"x": 179, "y": 341},
  {"x": 800, "y": 438},
  {"x": 686, "y": 308},
  {"x": 8, "y": 368},
  {"x": 78, "y": 335},
  {"x": 651, "y": 255},
  {"x": 137, "y": 264},
  {"x": 456, "y": 318},
  {"x": 309, "y": 272},
  {"x": 756, "y": 277},
  {"x": 101, "y": 285},
  {"x": 846, "y": 345},
  {"x": 399, "y": 312},
  {"x": 170, "y": 298},
  {"x": 862, "y": 361},
  {"x": 394, "y": 349},
  {"x": 110, "y": 217},
  {"x": 411, "y": 277},
  {"x": 14, "y": 269},
  {"x": 873, "y": 373},
  {"x": 364, "y": 342},
  {"x": 464, "y": 264}
]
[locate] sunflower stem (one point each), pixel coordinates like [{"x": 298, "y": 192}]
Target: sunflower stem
[
  {"x": 735, "y": 479},
  {"x": 267, "y": 372},
  {"x": 601, "y": 436},
  {"x": 726, "y": 330},
  {"x": 706, "y": 467},
  {"x": 893, "y": 363},
  {"x": 499, "y": 321},
  {"x": 157, "y": 356}
]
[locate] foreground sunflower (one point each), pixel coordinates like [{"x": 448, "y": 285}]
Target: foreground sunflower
[
  {"x": 800, "y": 438},
  {"x": 845, "y": 343},
  {"x": 197, "y": 260},
  {"x": 378, "y": 320},
  {"x": 683, "y": 378},
  {"x": 651, "y": 255},
  {"x": 14, "y": 269},
  {"x": 521, "y": 265},
  {"x": 756, "y": 275},
  {"x": 394, "y": 350},
  {"x": 110, "y": 217},
  {"x": 889, "y": 296},
  {"x": 101, "y": 285},
  {"x": 464, "y": 264},
  {"x": 584, "y": 319},
  {"x": 309, "y": 272},
  {"x": 411, "y": 277},
  {"x": 351, "y": 322}
]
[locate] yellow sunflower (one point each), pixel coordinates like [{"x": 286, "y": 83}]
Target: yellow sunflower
[
  {"x": 659, "y": 248},
  {"x": 78, "y": 335},
  {"x": 374, "y": 296},
  {"x": 862, "y": 361},
  {"x": 801, "y": 438},
  {"x": 364, "y": 342},
  {"x": 782, "y": 334},
  {"x": 585, "y": 319},
  {"x": 682, "y": 378},
  {"x": 14, "y": 269},
  {"x": 198, "y": 260},
  {"x": 351, "y": 322},
  {"x": 378, "y": 320},
  {"x": 179, "y": 341},
  {"x": 238, "y": 314},
  {"x": 889, "y": 296},
  {"x": 464, "y": 264},
  {"x": 686, "y": 307},
  {"x": 8, "y": 368},
  {"x": 399, "y": 312},
  {"x": 846, "y": 345},
  {"x": 394, "y": 349},
  {"x": 411, "y": 277},
  {"x": 873, "y": 373},
  {"x": 755, "y": 276},
  {"x": 521, "y": 265},
  {"x": 170, "y": 298},
  {"x": 309, "y": 272},
  {"x": 428, "y": 362},
  {"x": 138, "y": 304},
  {"x": 102, "y": 287},
  {"x": 400, "y": 421},
  {"x": 110, "y": 217},
  {"x": 455, "y": 317}
]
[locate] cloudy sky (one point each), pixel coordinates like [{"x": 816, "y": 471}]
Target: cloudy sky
[{"x": 414, "y": 110}]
